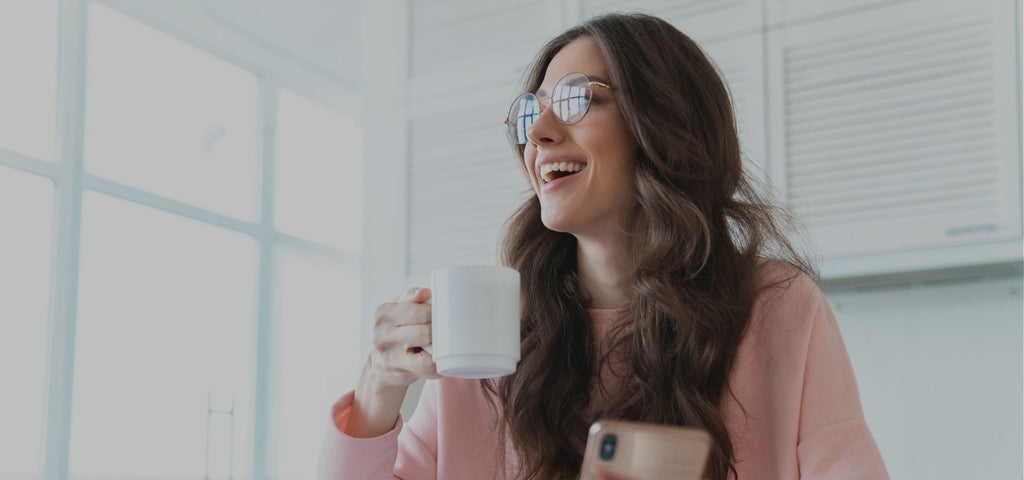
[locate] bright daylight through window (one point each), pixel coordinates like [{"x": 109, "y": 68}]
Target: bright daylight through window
[{"x": 179, "y": 268}]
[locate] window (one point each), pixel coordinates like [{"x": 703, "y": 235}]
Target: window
[
  {"x": 26, "y": 203},
  {"x": 213, "y": 313},
  {"x": 29, "y": 83},
  {"x": 165, "y": 319},
  {"x": 318, "y": 198},
  {"x": 319, "y": 358},
  {"x": 28, "y": 91},
  {"x": 165, "y": 117}
]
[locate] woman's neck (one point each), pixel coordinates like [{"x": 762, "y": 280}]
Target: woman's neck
[{"x": 606, "y": 271}]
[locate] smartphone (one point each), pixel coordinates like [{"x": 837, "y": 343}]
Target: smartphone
[{"x": 644, "y": 451}]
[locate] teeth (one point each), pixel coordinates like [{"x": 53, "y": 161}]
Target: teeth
[{"x": 547, "y": 169}]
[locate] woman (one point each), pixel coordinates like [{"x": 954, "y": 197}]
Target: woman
[{"x": 648, "y": 294}]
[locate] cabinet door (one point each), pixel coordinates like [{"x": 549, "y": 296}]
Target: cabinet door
[
  {"x": 700, "y": 19},
  {"x": 458, "y": 34},
  {"x": 783, "y": 12},
  {"x": 896, "y": 129},
  {"x": 740, "y": 61},
  {"x": 464, "y": 179},
  {"x": 466, "y": 62}
]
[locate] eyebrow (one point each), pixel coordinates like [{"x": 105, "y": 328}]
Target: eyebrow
[{"x": 593, "y": 78}]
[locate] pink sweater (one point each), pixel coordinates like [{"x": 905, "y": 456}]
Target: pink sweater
[{"x": 803, "y": 418}]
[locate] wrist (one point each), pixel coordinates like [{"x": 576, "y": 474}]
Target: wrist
[{"x": 375, "y": 406}]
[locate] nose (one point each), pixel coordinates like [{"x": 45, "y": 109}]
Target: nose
[{"x": 546, "y": 129}]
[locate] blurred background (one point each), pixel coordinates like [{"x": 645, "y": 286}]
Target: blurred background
[{"x": 203, "y": 201}]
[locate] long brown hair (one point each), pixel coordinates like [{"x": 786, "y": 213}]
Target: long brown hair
[{"x": 701, "y": 233}]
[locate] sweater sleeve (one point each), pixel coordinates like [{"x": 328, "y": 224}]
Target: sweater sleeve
[
  {"x": 398, "y": 454},
  {"x": 834, "y": 440}
]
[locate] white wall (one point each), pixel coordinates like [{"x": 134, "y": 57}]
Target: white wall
[{"x": 939, "y": 367}]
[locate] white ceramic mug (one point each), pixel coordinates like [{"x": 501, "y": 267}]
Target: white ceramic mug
[{"x": 475, "y": 321}]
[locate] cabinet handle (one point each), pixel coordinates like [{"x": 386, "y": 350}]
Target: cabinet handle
[{"x": 970, "y": 229}]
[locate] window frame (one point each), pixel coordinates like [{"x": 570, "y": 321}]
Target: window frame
[{"x": 66, "y": 170}]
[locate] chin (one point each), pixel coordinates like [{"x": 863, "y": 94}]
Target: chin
[{"x": 556, "y": 222}]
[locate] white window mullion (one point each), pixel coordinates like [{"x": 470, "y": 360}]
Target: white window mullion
[
  {"x": 263, "y": 423},
  {"x": 163, "y": 203},
  {"x": 324, "y": 254},
  {"x": 68, "y": 218},
  {"x": 16, "y": 160}
]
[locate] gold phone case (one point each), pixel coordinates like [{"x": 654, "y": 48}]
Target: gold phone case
[{"x": 643, "y": 451}]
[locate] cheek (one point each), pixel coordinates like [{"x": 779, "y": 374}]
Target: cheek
[
  {"x": 623, "y": 142},
  {"x": 610, "y": 138},
  {"x": 622, "y": 147},
  {"x": 615, "y": 153},
  {"x": 529, "y": 160}
]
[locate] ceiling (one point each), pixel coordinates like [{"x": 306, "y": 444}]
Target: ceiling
[
  {"x": 322, "y": 33},
  {"x": 320, "y": 36}
]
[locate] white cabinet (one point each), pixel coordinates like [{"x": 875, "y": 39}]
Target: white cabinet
[
  {"x": 895, "y": 135},
  {"x": 700, "y": 19},
  {"x": 474, "y": 34},
  {"x": 790, "y": 12},
  {"x": 740, "y": 60},
  {"x": 464, "y": 181},
  {"x": 890, "y": 127},
  {"x": 466, "y": 62}
]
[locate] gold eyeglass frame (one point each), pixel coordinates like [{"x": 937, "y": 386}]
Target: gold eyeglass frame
[{"x": 540, "y": 101}]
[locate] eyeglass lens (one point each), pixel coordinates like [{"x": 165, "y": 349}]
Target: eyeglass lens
[{"x": 570, "y": 99}]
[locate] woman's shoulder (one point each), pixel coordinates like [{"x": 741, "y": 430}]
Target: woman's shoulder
[
  {"x": 788, "y": 298},
  {"x": 779, "y": 280}
]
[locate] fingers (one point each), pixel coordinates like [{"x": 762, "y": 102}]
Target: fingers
[
  {"x": 411, "y": 363},
  {"x": 401, "y": 313},
  {"x": 400, "y": 330},
  {"x": 388, "y": 335},
  {"x": 424, "y": 365},
  {"x": 421, "y": 295},
  {"x": 398, "y": 368},
  {"x": 411, "y": 336},
  {"x": 415, "y": 295}
]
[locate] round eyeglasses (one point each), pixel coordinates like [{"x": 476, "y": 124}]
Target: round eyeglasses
[{"x": 570, "y": 98}]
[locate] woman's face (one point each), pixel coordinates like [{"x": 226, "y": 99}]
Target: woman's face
[{"x": 598, "y": 199}]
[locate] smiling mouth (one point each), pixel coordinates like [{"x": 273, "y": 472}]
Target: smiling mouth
[{"x": 550, "y": 172}]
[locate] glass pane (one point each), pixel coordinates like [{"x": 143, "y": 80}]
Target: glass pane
[
  {"x": 318, "y": 320},
  {"x": 168, "y": 118},
  {"x": 319, "y": 173},
  {"x": 165, "y": 319},
  {"x": 26, "y": 205},
  {"x": 28, "y": 86}
]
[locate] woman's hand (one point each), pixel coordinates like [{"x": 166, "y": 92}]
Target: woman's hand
[
  {"x": 397, "y": 359},
  {"x": 400, "y": 330}
]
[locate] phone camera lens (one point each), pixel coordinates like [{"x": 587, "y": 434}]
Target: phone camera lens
[{"x": 608, "y": 447}]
